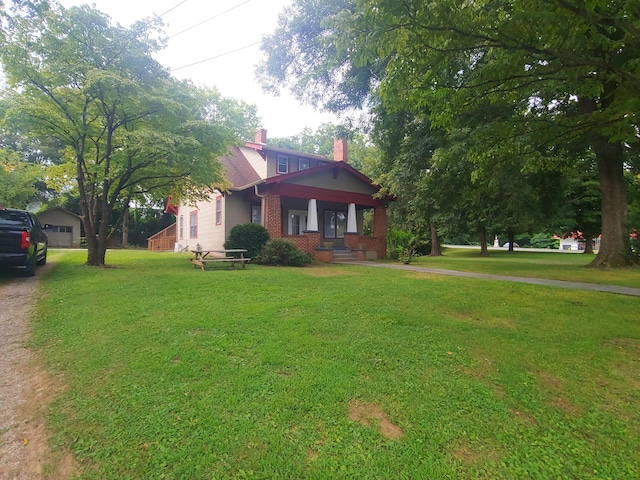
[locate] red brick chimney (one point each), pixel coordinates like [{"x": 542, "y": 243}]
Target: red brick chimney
[
  {"x": 340, "y": 150},
  {"x": 261, "y": 136}
]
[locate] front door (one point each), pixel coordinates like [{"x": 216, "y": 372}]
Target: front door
[
  {"x": 335, "y": 225},
  {"x": 297, "y": 222}
]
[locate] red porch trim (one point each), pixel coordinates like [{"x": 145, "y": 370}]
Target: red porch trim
[{"x": 302, "y": 191}]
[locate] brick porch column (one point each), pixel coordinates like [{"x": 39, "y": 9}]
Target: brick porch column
[
  {"x": 380, "y": 230},
  {"x": 380, "y": 222},
  {"x": 273, "y": 216}
]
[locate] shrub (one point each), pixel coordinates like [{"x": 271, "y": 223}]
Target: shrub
[
  {"x": 543, "y": 240},
  {"x": 250, "y": 236},
  {"x": 282, "y": 252},
  {"x": 403, "y": 245}
]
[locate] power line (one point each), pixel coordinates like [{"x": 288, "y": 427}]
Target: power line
[
  {"x": 217, "y": 56},
  {"x": 172, "y": 8},
  {"x": 207, "y": 20}
]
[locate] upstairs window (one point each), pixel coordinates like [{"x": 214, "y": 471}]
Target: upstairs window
[
  {"x": 193, "y": 224},
  {"x": 283, "y": 164},
  {"x": 219, "y": 211},
  {"x": 303, "y": 163}
]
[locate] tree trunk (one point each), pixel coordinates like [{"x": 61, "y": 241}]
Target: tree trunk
[
  {"x": 125, "y": 228},
  {"x": 89, "y": 219},
  {"x": 484, "y": 249},
  {"x": 588, "y": 246},
  {"x": 511, "y": 236},
  {"x": 615, "y": 248},
  {"x": 436, "y": 248}
]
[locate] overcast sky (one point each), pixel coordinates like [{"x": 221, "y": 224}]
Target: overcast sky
[{"x": 237, "y": 24}]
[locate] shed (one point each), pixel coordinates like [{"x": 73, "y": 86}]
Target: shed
[{"x": 63, "y": 227}]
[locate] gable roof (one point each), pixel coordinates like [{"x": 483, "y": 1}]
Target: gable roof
[
  {"x": 240, "y": 172},
  {"x": 321, "y": 168},
  {"x": 64, "y": 210}
]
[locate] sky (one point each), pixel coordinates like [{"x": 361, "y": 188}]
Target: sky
[{"x": 227, "y": 26}]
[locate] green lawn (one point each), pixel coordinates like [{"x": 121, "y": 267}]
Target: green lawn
[
  {"x": 552, "y": 264},
  {"x": 335, "y": 372}
]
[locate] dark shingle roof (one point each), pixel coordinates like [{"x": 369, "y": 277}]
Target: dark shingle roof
[{"x": 239, "y": 171}]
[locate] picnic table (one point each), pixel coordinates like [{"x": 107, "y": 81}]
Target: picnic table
[{"x": 229, "y": 255}]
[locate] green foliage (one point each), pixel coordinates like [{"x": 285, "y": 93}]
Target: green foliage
[
  {"x": 319, "y": 141},
  {"x": 403, "y": 245},
  {"x": 132, "y": 132},
  {"x": 17, "y": 180},
  {"x": 543, "y": 240},
  {"x": 278, "y": 251},
  {"x": 250, "y": 236},
  {"x": 538, "y": 81}
]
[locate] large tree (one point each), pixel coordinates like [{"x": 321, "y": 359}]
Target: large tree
[
  {"x": 129, "y": 128},
  {"x": 568, "y": 66}
]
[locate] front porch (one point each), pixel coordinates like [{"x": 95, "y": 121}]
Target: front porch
[
  {"x": 324, "y": 208},
  {"x": 340, "y": 229}
]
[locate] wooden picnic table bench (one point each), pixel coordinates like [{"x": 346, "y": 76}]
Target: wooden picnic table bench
[{"x": 201, "y": 258}]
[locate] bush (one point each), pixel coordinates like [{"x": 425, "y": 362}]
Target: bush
[
  {"x": 250, "y": 236},
  {"x": 543, "y": 240},
  {"x": 403, "y": 245},
  {"x": 282, "y": 252}
]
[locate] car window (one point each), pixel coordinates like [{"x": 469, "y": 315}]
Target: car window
[
  {"x": 14, "y": 219},
  {"x": 36, "y": 221}
]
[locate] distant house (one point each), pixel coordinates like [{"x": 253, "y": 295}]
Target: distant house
[
  {"x": 576, "y": 242},
  {"x": 63, "y": 227},
  {"x": 316, "y": 202}
]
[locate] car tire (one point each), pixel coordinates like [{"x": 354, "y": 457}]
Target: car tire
[
  {"x": 30, "y": 268},
  {"x": 43, "y": 260}
]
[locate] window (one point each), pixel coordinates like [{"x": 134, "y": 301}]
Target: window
[
  {"x": 219, "y": 210},
  {"x": 60, "y": 229},
  {"x": 193, "y": 224},
  {"x": 181, "y": 227},
  {"x": 256, "y": 214},
  {"x": 297, "y": 222},
  {"x": 335, "y": 223},
  {"x": 283, "y": 164},
  {"x": 303, "y": 163}
]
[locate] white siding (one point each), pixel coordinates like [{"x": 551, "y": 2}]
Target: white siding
[
  {"x": 210, "y": 236},
  {"x": 258, "y": 163}
]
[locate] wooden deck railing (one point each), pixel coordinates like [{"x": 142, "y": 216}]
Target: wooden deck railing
[{"x": 164, "y": 240}]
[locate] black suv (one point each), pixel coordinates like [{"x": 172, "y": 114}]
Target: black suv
[{"x": 23, "y": 241}]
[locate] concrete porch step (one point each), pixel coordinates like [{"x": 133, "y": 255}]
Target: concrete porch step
[{"x": 344, "y": 256}]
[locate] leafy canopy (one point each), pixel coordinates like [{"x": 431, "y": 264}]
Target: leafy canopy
[{"x": 129, "y": 129}]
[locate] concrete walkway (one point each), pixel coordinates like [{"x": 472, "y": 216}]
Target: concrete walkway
[{"x": 486, "y": 276}]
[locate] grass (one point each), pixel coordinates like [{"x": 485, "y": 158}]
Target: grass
[
  {"x": 335, "y": 372},
  {"x": 552, "y": 265}
]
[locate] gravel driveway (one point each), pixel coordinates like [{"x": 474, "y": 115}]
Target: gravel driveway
[{"x": 25, "y": 390}]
